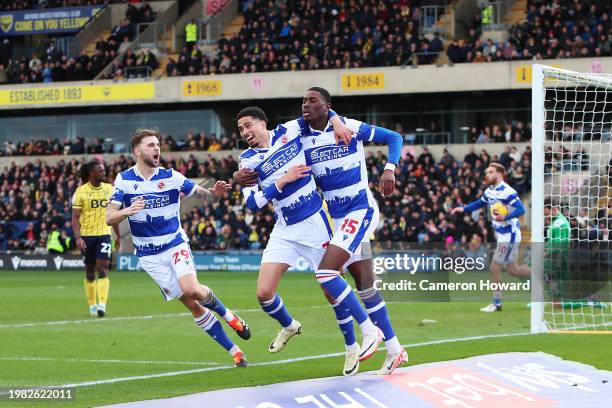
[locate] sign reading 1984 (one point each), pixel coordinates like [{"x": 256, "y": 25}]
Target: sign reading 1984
[{"x": 363, "y": 81}]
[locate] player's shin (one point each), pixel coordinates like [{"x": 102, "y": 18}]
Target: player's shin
[
  {"x": 345, "y": 322},
  {"x": 377, "y": 311},
  {"x": 209, "y": 323},
  {"x": 213, "y": 303},
  {"x": 275, "y": 308},
  {"x": 340, "y": 290},
  {"x": 103, "y": 289}
]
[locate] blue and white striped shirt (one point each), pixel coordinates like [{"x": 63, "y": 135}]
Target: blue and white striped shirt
[
  {"x": 157, "y": 227},
  {"x": 298, "y": 200},
  {"x": 340, "y": 170}
]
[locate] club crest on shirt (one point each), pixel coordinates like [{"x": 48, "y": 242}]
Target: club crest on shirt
[
  {"x": 161, "y": 185},
  {"x": 284, "y": 140}
]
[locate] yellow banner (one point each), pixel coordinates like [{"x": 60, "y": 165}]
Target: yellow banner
[
  {"x": 76, "y": 94},
  {"x": 524, "y": 73},
  {"x": 207, "y": 87},
  {"x": 359, "y": 82}
]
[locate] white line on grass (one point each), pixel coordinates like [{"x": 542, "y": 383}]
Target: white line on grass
[
  {"x": 146, "y": 317},
  {"x": 268, "y": 363},
  {"x": 77, "y": 360}
]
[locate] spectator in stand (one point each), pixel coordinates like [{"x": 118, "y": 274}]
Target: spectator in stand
[
  {"x": 55, "y": 66},
  {"x": 553, "y": 29},
  {"x": 320, "y": 34}
]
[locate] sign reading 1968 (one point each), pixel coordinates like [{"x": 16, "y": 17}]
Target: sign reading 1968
[
  {"x": 207, "y": 87},
  {"x": 363, "y": 81}
]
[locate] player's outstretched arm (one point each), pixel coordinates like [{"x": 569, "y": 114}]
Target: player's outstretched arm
[
  {"x": 114, "y": 215},
  {"x": 213, "y": 193},
  {"x": 473, "y": 206}
]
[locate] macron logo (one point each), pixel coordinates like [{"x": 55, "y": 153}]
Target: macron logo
[
  {"x": 15, "y": 260},
  {"x": 135, "y": 186},
  {"x": 58, "y": 262}
]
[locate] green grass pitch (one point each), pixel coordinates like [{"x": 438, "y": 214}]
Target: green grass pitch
[{"x": 144, "y": 335}]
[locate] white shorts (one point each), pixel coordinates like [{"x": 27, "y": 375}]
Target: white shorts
[
  {"x": 289, "y": 252},
  {"x": 353, "y": 230},
  {"x": 307, "y": 239},
  {"x": 508, "y": 246},
  {"x": 167, "y": 267}
]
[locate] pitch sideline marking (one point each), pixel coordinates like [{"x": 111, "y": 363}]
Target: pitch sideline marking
[
  {"x": 268, "y": 363},
  {"x": 78, "y": 360},
  {"x": 145, "y": 317}
]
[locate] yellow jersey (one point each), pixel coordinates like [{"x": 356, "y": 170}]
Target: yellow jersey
[{"x": 92, "y": 202}]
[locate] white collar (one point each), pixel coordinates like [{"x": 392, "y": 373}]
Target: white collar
[{"x": 135, "y": 167}]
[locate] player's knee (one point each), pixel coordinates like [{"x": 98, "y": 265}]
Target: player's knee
[
  {"x": 206, "y": 293},
  {"x": 90, "y": 277},
  {"x": 193, "y": 305},
  {"x": 193, "y": 291},
  {"x": 102, "y": 271},
  {"x": 264, "y": 294}
]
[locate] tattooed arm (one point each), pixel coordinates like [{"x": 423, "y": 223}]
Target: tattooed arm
[{"x": 213, "y": 193}]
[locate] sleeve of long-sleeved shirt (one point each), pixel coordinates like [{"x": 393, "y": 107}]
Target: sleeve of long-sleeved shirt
[
  {"x": 255, "y": 199},
  {"x": 519, "y": 209},
  {"x": 377, "y": 134},
  {"x": 475, "y": 205}
]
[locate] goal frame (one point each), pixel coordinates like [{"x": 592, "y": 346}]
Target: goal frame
[
  {"x": 537, "y": 198},
  {"x": 538, "y": 118}
]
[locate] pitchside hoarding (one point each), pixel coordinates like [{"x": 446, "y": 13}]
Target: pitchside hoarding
[
  {"x": 245, "y": 262},
  {"x": 17, "y": 262}
]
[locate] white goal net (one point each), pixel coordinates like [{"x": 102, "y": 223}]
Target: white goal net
[{"x": 571, "y": 201}]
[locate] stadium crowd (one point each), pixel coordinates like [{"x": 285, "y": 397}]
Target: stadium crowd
[
  {"x": 513, "y": 131},
  {"x": 320, "y": 34},
  {"x": 50, "y": 64},
  {"x": 193, "y": 141},
  {"x": 553, "y": 29},
  {"x": 36, "y": 196}
]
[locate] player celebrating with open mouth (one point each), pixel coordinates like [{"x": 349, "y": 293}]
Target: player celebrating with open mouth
[
  {"x": 149, "y": 196},
  {"x": 499, "y": 196}
]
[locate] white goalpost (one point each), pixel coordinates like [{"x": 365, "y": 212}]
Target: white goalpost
[{"x": 571, "y": 201}]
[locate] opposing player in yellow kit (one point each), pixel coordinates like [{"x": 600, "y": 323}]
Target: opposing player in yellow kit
[{"x": 92, "y": 235}]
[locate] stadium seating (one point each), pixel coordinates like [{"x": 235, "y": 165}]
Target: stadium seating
[
  {"x": 552, "y": 30},
  {"x": 300, "y": 35},
  {"x": 53, "y": 65}
]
